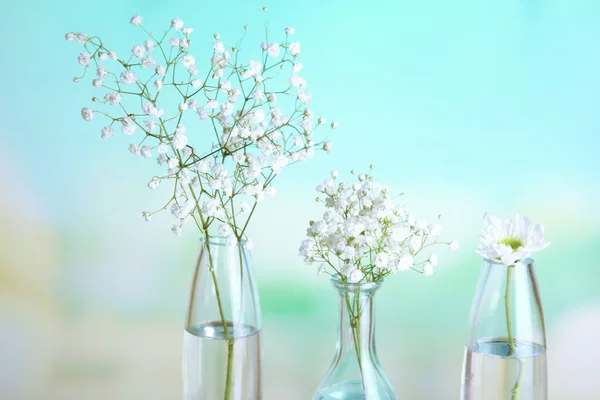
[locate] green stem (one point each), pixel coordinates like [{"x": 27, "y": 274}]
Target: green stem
[
  {"x": 355, "y": 326},
  {"x": 226, "y": 333},
  {"x": 230, "y": 343},
  {"x": 516, "y": 388},
  {"x": 511, "y": 341},
  {"x": 217, "y": 293}
]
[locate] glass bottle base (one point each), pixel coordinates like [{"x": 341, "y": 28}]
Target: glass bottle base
[
  {"x": 492, "y": 371},
  {"x": 350, "y": 390}
]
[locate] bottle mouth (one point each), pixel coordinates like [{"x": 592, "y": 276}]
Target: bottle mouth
[
  {"x": 347, "y": 287},
  {"x": 218, "y": 240},
  {"x": 527, "y": 261}
]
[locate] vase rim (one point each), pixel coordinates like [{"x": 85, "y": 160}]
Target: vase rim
[
  {"x": 527, "y": 261},
  {"x": 355, "y": 286},
  {"x": 218, "y": 240}
]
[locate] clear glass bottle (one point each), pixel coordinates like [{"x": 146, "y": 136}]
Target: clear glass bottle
[
  {"x": 222, "y": 351},
  {"x": 355, "y": 372},
  {"x": 505, "y": 357}
]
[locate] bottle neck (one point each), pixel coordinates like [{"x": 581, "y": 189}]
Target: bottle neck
[
  {"x": 507, "y": 306},
  {"x": 223, "y": 291},
  {"x": 356, "y": 319}
]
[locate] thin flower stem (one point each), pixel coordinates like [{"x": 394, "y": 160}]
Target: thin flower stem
[
  {"x": 521, "y": 375},
  {"x": 355, "y": 327},
  {"x": 228, "y": 383},
  {"x": 511, "y": 340},
  {"x": 226, "y": 333}
]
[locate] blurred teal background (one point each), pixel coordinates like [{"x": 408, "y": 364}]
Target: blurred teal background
[{"x": 466, "y": 106}]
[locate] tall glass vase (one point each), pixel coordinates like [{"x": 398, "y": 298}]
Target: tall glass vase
[
  {"x": 221, "y": 351},
  {"x": 505, "y": 357},
  {"x": 355, "y": 372}
]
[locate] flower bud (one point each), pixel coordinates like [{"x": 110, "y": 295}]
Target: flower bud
[{"x": 217, "y": 36}]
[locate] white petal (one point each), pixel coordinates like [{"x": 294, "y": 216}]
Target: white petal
[
  {"x": 537, "y": 234},
  {"x": 537, "y": 246},
  {"x": 509, "y": 259},
  {"x": 492, "y": 220},
  {"x": 526, "y": 227}
]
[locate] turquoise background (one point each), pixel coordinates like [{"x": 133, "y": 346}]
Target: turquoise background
[{"x": 466, "y": 106}]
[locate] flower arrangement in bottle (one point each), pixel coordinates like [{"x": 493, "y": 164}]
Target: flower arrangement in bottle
[
  {"x": 221, "y": 133},
  {"x": 506, "y": 350},
  {"x": 362, "y": 238}
]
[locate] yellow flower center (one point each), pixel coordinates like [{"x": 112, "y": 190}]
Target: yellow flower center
[{"x": 514, "y": 243}]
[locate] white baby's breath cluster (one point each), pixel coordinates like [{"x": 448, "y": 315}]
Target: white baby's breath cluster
[
  {"x": 220, "y": 172},
  {"x": 364, "y": 236},
  {"x": 511, "y": 240}
]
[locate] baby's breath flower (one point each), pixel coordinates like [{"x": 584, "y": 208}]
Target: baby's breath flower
[
  {"x": 128, "y": 77},
  {"x": 107, "y": 132},
  {"x": 188, "y": 61},
  {"x": 218, "y": 47},
  {"x": 254, "y": 142},
  {"x": 176, "y": 24},
  {"x": 87, "y": 114},
  {"x": 273, "y": 50},
  {"x": 84, "y": 59},
  {"x": 136, "y": 20},
  {"x": 134, "y": 149},
  {"x": 363, "y": 235},
  {"x": 113, "y": 98},
  {"x": 295, "y": 49},
  {"x": 428, "y": 269},
  {"x": 138, "y": 51}
]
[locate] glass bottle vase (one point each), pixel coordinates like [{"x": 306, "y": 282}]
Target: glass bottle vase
[
  {"x": 355, "y": 372},
  {"x": 505, "y": 357},
  {"x": 222, "y": 349}
]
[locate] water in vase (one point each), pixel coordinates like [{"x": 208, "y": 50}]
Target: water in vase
[
  {"x": 351, "y": 390},
  {"x": 492, "y": 372},
  {"x": 206, "y": 356}
]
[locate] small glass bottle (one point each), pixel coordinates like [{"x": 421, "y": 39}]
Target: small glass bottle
[
  {"x": 221, "y": 351},
  {"x": 355, "y": 372},
  {"x": 505, "y": 357}
]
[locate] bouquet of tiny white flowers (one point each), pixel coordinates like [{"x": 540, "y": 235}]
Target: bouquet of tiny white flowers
[
  {"x": 220, "y": 173},
  {"x": 363, "y": 236},
  {"x": 239, "y": 137}
]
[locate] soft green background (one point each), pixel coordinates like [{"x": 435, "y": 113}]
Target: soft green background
[{"x": 466, "y": 106}]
